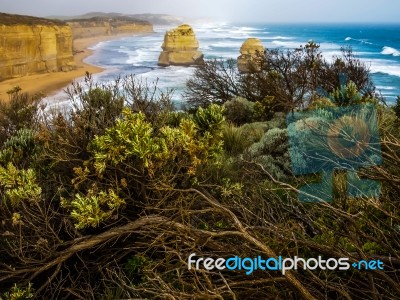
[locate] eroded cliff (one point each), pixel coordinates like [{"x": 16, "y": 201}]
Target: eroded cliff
[
  {"x": 100, "y": 26},
  {"x": 250, "y": 58},
  {"x": 180, "y": 47},
  {"x": 30, "y": 45}
]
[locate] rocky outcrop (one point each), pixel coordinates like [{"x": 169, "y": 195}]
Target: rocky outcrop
[
  {"x": 100, "y": 26},
  {"x": 249, "y": 59},
  {"x": 30, "y": 45},
  {"x": 180, "y": 48}
]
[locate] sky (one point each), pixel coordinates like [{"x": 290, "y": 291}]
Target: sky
[{"x": 267, "y": 11}]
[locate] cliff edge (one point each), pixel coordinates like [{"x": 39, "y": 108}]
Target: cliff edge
[
  {"x": 30, "y": 45},
  {"x": 180, "y": 47}
]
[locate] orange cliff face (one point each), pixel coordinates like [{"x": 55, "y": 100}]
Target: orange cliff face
[
  {"x": 31, "y": 45},
  {"x": 99, "y": 26}
]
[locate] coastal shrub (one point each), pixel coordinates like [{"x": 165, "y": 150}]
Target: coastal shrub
[
  {"x": 321, "y": 103},
  {"x": 18, "y": 293},
  {"x": 215, "y": 81},
  {"x": 345, "y": 68},
  {"x": 237, "y": 139},
  {"x": 19, "y": 111},
  {"x": 348, "y": 94},
  {"x": 20, "y": 148},
  {"x": 113, "y": 211},
  {"x": 239, "y": 111},
  {"x": 95, "y": 207},
  {"x": 263, "y": 109},
  {"x": 292, "y": 77},
  {"x": 18, "y": 185},
  {"x": 137, "y": 158},
  {"x": 174, "y": 118},
  {"x": 272, "y": 151},
  {"x": 253, "y": 132},
  {"x": 94, "y": 107},
  {"x": 234, "y": 141},
  {"x": 209, "y": 119},
  {"x": 142, "y": 96}
]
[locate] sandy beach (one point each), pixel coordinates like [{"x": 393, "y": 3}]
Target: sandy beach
[{"x": 50, "y": 83}]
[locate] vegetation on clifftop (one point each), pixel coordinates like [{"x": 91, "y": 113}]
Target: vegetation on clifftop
[
  {"x": 10, "y": 19},
  {"x": 114, "y": 20}
]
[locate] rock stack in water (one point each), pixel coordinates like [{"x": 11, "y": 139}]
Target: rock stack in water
[
  {"x": 180, "y": 48},
  {"x": 250, "y": 59}
]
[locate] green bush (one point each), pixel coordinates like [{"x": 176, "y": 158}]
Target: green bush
[
  {"x": 264, "y": 109},
  {"x": 18, "y": 293},
  {"x": 272, "y": 151},
  {"x": 291, "y": 78},
  {"x": 238, "y": 139},
  {"x": 239, "y": 111},
  {"x": 209, "y": 119},
  {"x": 111, "y": 210},
  {"x": 19, "y": 112},
  {"x": 19, "y": 148},
  {"x": 234, "y": 143}
]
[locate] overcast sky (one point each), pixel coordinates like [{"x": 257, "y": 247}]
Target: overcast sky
[{"x": 223, "y": 10}]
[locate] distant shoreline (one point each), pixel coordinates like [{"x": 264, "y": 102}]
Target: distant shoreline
[{"x": 50, "y": 83}]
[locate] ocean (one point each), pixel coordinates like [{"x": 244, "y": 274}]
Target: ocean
[{"x": 377, "y": 45}]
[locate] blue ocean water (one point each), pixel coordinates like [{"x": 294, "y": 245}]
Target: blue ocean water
[{"x": 376, "y": 45}]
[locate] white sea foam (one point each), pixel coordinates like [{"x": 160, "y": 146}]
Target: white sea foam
[
  {"x": 169, "y": 72},
  {"x": 286, "y": 44},
  {"x": 99, "y": 45},
  {"x": 227, "y": 44},
  {"x": 277, "y": 37},
  {"x": 349, "y": 38},
  {"x": 208, "y": 25},
  {"x": 173, "y": 77},
  {"x": 249, "y": 28},
  {"x": 390, "y": 51},
  {"x": 149, "y": 52},
  {"x": 384, "y": 68},
  {"x": 329, "y": 50},
  {"x": 222, "y": 41},
  {"x": 137, "y": 57},
  {"x": 386, "y": 88},
  {"x": 325, "y": 47},
  {"x": 245, "y": 30},
  {"x": 219, "y": 30},
  {"x": 330, "y": 55},
  {"x": 204, "y": 47},
  {"x": 329, "y": 46}
]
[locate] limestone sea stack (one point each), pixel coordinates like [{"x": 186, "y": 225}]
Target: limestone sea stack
[
  {"x": 249, "y": 59},
  {"x": 180, "y": 48}
]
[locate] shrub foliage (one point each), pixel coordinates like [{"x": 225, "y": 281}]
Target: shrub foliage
[{"x": 108, "y": 199}]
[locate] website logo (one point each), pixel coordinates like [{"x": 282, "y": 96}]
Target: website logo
[
  {"x": 339, "y": 138},
  {"x": 251, "y": 264}
]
